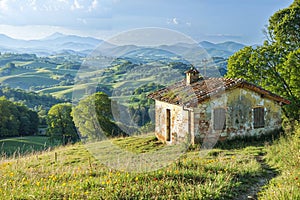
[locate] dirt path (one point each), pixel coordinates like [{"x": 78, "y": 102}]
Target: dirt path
[{"x": 270, "y": 173}]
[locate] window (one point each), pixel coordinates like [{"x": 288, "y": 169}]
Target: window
[
  {"x": 168, "y": 125},
  {"x": 259, "y": 117},
  {"x": 219, "y": 119}
]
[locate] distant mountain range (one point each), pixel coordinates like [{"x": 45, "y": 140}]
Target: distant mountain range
[
  {"x": 58, "y": 43},
  {"x": 224, "y": 49},
  {"x": 53, "y": 44}
]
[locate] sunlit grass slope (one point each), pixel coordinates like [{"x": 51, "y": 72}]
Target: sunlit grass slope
[{"x": 72, "y": 172}]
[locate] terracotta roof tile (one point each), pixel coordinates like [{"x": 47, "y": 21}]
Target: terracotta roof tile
[{"x": 190, "y": 95}]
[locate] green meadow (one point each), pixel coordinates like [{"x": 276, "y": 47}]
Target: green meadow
[
  {"x": 18, "y": 146},
  {"x": 233, "y": 171}
]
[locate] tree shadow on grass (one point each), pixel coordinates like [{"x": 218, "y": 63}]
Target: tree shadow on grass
[
  {"x": 251, "y": 185},
  {"x": 246, "y": 141}
]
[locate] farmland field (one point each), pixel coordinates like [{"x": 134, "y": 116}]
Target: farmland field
[{"x": 23, "y": 145}]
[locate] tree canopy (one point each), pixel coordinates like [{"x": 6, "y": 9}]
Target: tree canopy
[
  {"x": 16, "y": 119},
  {"x": 275, "y": 65},
  {"x": 93, "y": 117},
  {"x": 60, "y": 124},
  {"x": 30, "y": 99}
]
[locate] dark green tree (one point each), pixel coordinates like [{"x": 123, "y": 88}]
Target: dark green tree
[
  {"x": 9, "y": 122},
  {"x": 34, "y": 122},
  {"x": 275, "y": 65},
  {"x": 16, "y": 119}
]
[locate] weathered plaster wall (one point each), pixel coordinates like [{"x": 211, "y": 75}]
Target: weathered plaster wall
[
  {"x": 239, "y": 104},
  {"x": 179, "y": 122}
]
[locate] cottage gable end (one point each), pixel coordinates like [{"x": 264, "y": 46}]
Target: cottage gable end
[{"x": 217, "y": 108}]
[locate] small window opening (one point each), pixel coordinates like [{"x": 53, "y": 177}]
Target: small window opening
[
  {"x": 259, "y": 117},
  {"x": 168, "y": 125},
  {"x": 219, "y": 119}
]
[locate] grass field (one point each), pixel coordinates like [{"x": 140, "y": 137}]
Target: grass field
[
  {"x": 284, "y": 155},
  {"x": 234, "y": 171},
  {"x": 30, "y": 80},
  {"x": 72, "y": 172},
  {"x": 55, "y": 89},
  {"x": 23, "y": 145},
  {"x": 66, "y": 91},
  {"x": 37, "y": 64}
]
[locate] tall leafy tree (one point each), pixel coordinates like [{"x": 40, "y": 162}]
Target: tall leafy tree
[
  {"x": 275, "y": 65},
  {"x": 34, "y": 122},
  {"x": 16, "y": 119},
  {"x": 9, "y": 122},
  {"x": 60, "y": 124},
  {"x": 240, "y": 65},
  {"x": 93, "y": 117}
]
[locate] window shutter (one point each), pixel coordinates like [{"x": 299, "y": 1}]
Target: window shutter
[
  {"x": 219, "y": 122},
  {"x": 259, "y": 117}
]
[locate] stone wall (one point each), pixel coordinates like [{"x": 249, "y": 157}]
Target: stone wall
[
  {"x": 179, "y": 122},
  {"x": 196, "y": 124},
  {"x": 239, "y": 104}
]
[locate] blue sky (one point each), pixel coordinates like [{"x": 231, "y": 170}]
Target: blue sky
[{"x": 212, "y": 20}]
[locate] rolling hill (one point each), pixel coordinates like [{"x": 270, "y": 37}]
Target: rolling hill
[
  {"x": 58, "y": 43},
  {"x": 50, "y": 65},
  {"x": 224, "y": 49}
]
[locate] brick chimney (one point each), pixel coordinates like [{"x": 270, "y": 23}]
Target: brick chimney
[{"x": 192, "y": 75}]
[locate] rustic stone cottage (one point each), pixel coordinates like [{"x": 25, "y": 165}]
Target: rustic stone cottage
[{"x": 198, "y": 107}]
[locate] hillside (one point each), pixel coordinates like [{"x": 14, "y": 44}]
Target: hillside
[
  {"x": 30, "y": 99},
  {"x": 236, "y": 170},
  {"x": 50, "y": 65},
  {"x": 29, "y": 72},
  {"x": 56, "y": 74},
  {"x": 225, "y": 49},
  {"x": 73, "y": 173}
]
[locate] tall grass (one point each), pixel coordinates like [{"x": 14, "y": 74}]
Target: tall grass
[
  {"x": 72, "y": 173},
  {"x": 285, "y": 156}
]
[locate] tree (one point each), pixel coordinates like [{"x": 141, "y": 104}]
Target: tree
[
  {"x": 275, "y": 65},
  {"x": 240, "y": 65},
  {"x": 60, "y": 124},
  {"x": 93, "y": 117},
  {"x": 16, "y": 119},
  {"x": 9, "y": 123},
  {"x": 284, "y": 27},
  {"x": 24, "y": 120}
]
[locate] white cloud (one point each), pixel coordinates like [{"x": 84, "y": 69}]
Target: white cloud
[
  {"x": 4, "y": 5},
  {"x": 15, "y": 6},
  {"x": 175, "y": 21},
  {"x": 63, "y": 1},
  {"x": 76, "y": 5},
  {"x": 93, "y": 5},
  {"x": 33, "y": 4}
]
